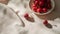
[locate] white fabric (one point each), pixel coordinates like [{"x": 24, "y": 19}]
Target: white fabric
[
  {"x": 30, "y": 28},
  {"x": 9, "y": 21}
]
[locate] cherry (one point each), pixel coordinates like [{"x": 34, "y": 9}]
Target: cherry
[
  {"x": 41, "y": 3},
  {"x": 26, "y": 15},
  {"x": 34, "y": 8},
  {"x": 36, "y": 2},
  {"x": 39, "y": 10},
  {"x": 48, "y": 25},
  {"x": 44, "y": 10},
  {"x": 33, "y": 5},
  {"x": 45, "y": 22}
]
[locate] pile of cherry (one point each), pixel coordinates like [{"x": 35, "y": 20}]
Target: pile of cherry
[{"x": 41, "y": 6}]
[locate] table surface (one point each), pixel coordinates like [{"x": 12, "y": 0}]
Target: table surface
[{"x": 53, "y": 18}]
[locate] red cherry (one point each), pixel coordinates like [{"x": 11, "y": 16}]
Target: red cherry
[
  {"x": 34, "y": 8},
  {"x": 26, "y": 15},
  {"x": 36, "y": 2},
  {"x": 45, "y": 22},
  {"x": 39, "y": 10},
  {"x": 44, "y": 10},
  {"x": 41, "y": 3},
  {"x": 33, "y": 5}
]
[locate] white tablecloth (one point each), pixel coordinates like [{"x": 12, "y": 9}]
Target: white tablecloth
[{"x": 36, "y": 27}]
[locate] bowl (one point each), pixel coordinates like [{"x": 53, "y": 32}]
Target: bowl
[{"x": 49, "y": 11}]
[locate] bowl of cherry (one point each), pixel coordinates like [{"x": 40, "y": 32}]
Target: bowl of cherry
[{"x": 42, "y": 7}]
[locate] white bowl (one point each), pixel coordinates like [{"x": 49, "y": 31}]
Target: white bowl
[{"x": 53, "y": 5}]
